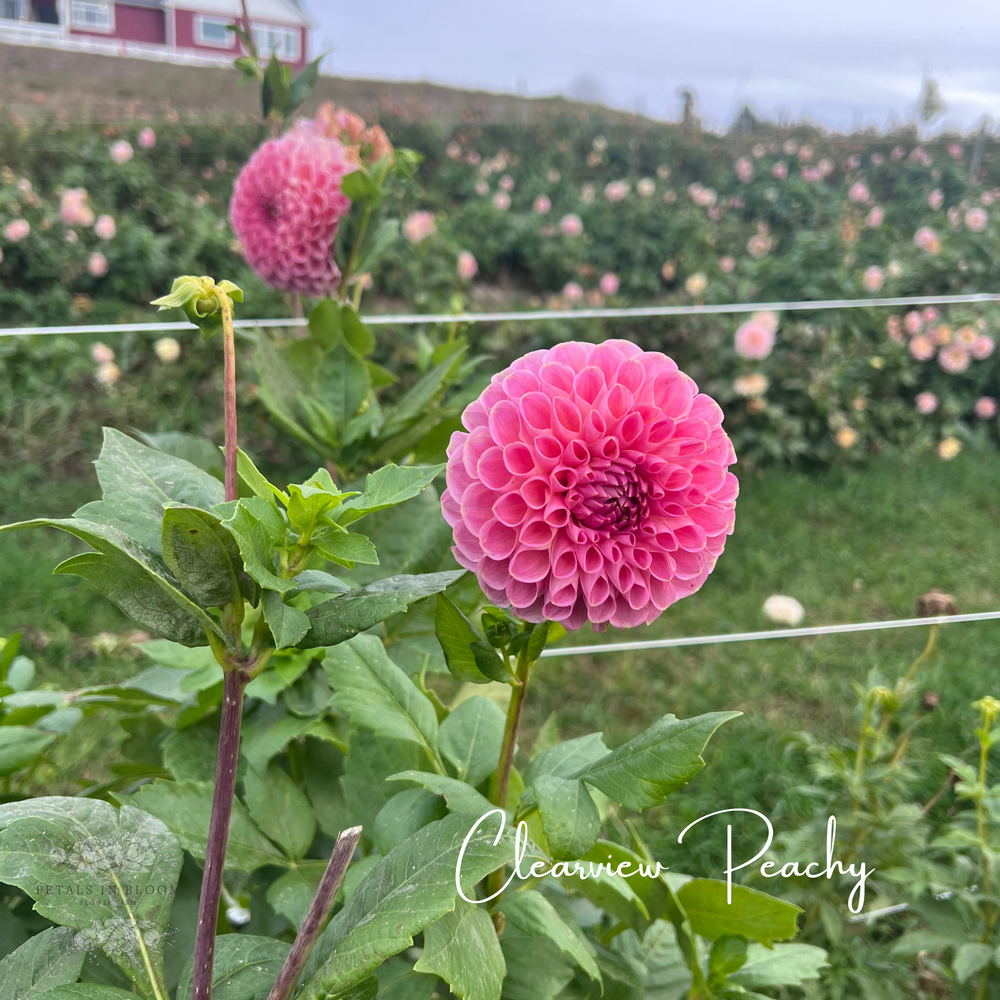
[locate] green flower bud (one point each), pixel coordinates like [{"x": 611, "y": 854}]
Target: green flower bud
[{"x": 203, "y": 300}]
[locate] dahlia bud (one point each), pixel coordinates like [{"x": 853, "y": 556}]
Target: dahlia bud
[
  {"x": 934, "y": 603},
  {"x": 202, "y": 299}
]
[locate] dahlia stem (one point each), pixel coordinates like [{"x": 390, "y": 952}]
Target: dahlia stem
[
  {"x": 229, "y": 395},
  {"x": 234, "y": 681},
  {"x": 319, "y": 910},
  {"x": 352, "y": 260},
  {"x": 501, "y": 777}
]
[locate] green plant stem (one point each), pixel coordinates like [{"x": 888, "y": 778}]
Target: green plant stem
[
  {"x": 229, "y": 396},
  {"x": 352, "y": 260},
  {"x": 989, "y": 918},
  {"x": 921, "y": 659},
  {"x": 234, "y": 682},
  {"x": 859, "y": 763},
  {"x": 518, "y": 689},
  {"x": 319, "y": 910}
]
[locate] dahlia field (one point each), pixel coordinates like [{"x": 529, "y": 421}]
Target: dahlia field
[{"x": 300, "y": 713}]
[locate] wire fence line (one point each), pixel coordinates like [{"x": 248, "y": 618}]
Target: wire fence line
[
  {"x": 527, "y": 316},
  {"x": 781, "y": 633}
]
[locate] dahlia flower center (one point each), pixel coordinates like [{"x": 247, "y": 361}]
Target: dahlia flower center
[{"x": 611, "y": 499}]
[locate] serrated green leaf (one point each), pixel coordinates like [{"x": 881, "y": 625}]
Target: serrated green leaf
[
  {"x": 47, "y": 960},
  {"x": 403, "y": 815},
  {"x": 376, "y": 694},
  {"x": 287, "y": 624},
  {"x": 347, "y": 548},
  {"x": 533, "y": 914},
  {"x": 387, "y": 487},
  {"x": 75, "y": 857},
  {"x": 344, "y": 616},
  {"x": 186, "y": 808},
  {"x": 462, "y": 948},
  {"x": 471, "y": 737},
  {"x": 259, "y": 531},
  {"x": 204, "y": 557},
  {"x": 570, "y": 819},
  {"x": 409, "y": 889},
  {"x": 644, "y": 771},
  {"x": 137, "y": 482},
  {"x": 245, "y": 967},
  {"x": 132, "y": 578},
  {"x": 752, "y": 914},
  {"x": 280, "y": 809},
  {"x": 782, "y": 965},
  {"x": 460, "y": 796},
  {"x": 255, "y": 479}
]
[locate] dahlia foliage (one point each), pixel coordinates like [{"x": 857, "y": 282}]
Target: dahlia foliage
[{"x": 592, "y": 485}]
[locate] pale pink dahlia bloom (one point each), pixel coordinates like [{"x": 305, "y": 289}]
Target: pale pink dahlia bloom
[
  {"x": 418, "y": 226},
  {"x": 986, "y": 408},
  {"x": 927, "y": 403},
  {"x": 754, "y": 340},
  {"x": 593, "y": 485},
  {"x": 286, "y": 207}
]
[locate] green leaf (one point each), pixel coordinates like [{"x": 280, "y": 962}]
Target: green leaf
[
  {"x": 47, "y": 960},
  {"x": 728, "y": 954},
  {"x": 279, "y": 390},
  {"x": 137, "y": 482},
  {"x": 20, "y": 746},
  {"x": 367, "y": 989},
  {"x": 462, "y": 948},
  {"x": 347, "y": 548},
  {"x": 567, "y": 759},
  {"x": 644, "y": 771},
  {"x": 275, "y": 91},
  {"x": 752, "y": 914},
  {"x": 191, "y": 448},
  {"x": 461, "y": 797},
  {"x": 132, "y": 578},
  {"x": 359, "y": 337},
  {"x": 314, "y": 579},
  {"x": 533, "y": 914},
  {"x": 782, "y": 965},
  {"x": 259, "y": 530},
  {"x": 186, "y": 808},
  {"x": 403, "y": 815},
  {"x": 344, "y": 616},
  {"x": 287, "y": 624},
  {"x": 398, "y": 981},
  {"x": 301, "y": 87},
  {"x": 358, "y": 186},
  {"x": 75, "y": 857},
  {"x": 414, "y": 403},
  {"x": 377, "y": 246},
  {"x": 189, "y": 754},
  {"x": 376, "y": 694},
  {"x": 256, "y": 480},
  {"x": 536, "y": 968},
  {"x": 245, "y": 967},
  {"x": 324, "y": 323},
  {"x": 408, "y": 890},
  {"x": 471, "y": 737},
  {"x": 204, "y": 557},
  {"x": 292, "y": 894},
  {"x": 370, "y": 762},
  {"x": 387, "y": 487},
  {"x": 261, "y": 741},
  {"x": 570, "y": 819},
  {"x": 541, "y": 635},
  {"x": 280, "y": 809},
  {"x": 970, "y": 958},
  {"x": 457, "y": 636},
  {"x": 343, "y": 384}
]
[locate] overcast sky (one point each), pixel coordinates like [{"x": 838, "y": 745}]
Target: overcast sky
[{"x": 839, "y": 64}]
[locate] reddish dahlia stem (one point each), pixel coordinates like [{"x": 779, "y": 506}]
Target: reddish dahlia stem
[
  {"x": 218, "y": 832},
  {"x": 229, "y": 396},
  {"x": 319, "y": 910}
]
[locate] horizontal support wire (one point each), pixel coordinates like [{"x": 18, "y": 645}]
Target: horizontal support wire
[
  {"x": 780, "y": 633},
  {"x": 526, "y": 316}
]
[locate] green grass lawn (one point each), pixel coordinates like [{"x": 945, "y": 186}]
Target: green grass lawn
[{"x": 851, "y": 545}]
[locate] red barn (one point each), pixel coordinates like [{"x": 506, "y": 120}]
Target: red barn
[{"x": 186, "y": 27}]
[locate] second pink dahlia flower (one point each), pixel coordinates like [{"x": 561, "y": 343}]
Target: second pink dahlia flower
[
  {"x": 592, "y": 485},
  {"x": 286, "y": 207}
]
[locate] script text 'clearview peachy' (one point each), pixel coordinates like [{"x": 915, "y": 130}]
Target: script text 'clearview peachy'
[{"x": 590, "y": 869}]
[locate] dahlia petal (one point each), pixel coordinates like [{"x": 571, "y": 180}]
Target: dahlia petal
[
  {"x": 589, "y": 384},
  {"x": 511, "y": 509},
  {"x": 529, "y": 566},
  {"x": 491, "y": 469},
  {"x": 497, "y": 540},
  {"x": 505, "y": 423},
  {"x": 536, "y": 410}
]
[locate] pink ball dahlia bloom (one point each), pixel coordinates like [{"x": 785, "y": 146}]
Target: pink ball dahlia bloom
[
  {"x": 592, "y": 485},
  {"x": 286, "y": 207}
]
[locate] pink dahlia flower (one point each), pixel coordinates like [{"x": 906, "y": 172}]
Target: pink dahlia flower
[
  {"x": 744, "y": 169},
  {"x": 875, "y": 217},
  {"x": 609, "y": 283},
  {"x": 873, "y": 279},
  {"x": 922, "y": 347},
  {"x": 727, "y": 264},
  {"x": 976, "y": 219},
  {"x": 17, "y": 230},
  {"x": 935, "y": 199},
  {"x": 953, "y": 358},
  {"x": 593, "y": 485},
  {"x": 418, "y": 226},
  {"x": 147, "y": 138},
  {"x": 122, "y": 152},
  {"x": 286, "y": 207},
  {"x": 572, "y": 292},
  {"x": 570, "y": 225},
  {"x": 73, "y": 208},
  {"x": 859, "y": 192},
  {"x": 501, "y": 201},
  {"x": 105, "y": 227},
  {"x": 986, "y": 408},
  {"x": 542, "y": 204},
  {"x": 97, "y": 264},
  {"x": 466, "y": 266},
  {"x": 780, "y": 170},
  {"x": 982, "y": 348},
  {"x": 913, "y": 322},
  {"x": 754, "y": 340},
  {"x": 927, "y": 403}
]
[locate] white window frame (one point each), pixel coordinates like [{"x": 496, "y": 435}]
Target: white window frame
[
  {"x": 22, "y": 9},
  {"x": 201, "y": 20},
  {"x": 259, "y": 28},
  {"x": 82, "y": 24}
]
